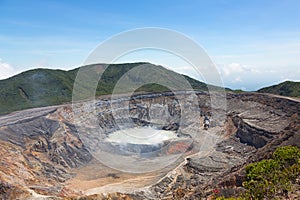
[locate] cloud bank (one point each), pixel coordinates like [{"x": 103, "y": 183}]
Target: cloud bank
[{"x": 6, "y": 70}]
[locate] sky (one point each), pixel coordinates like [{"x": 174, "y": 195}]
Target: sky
[{"x": 252, "y": 43}]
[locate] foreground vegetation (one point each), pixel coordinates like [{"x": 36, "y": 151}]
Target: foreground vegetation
[{"x": 273, "y": 178}]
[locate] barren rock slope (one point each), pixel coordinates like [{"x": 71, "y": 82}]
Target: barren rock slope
[{"x": 43, "y": 151}]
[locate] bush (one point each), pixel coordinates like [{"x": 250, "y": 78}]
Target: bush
[{"x": 268, "y": 178}]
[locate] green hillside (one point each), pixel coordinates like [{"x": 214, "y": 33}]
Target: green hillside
[
  {"x": 44, "y": 87},
  {"x": 287, "y": 88}
]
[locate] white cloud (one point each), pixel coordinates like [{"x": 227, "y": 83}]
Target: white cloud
[
  {"x": 237, "y": 79},
  {"x": 232, "y": 68},
  {"x": 235, "y": 68},
  {"x": 6, "y": 70}
]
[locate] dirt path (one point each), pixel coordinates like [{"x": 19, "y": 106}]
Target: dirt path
[{"x": 285, "y": 97}]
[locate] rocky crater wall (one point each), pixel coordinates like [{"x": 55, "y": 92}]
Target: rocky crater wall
[{"x": 40, "y": 146}]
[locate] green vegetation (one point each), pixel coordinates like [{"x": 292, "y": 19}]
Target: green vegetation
[
  {"x": 272, "y": 178},
  {"x": 35, "y": 88},
  {"x": 275, "y": 176},
  {"x": 238, "y": 91},
  {"x": 44, "y": 87},
  {"x": 287, "y": 88}
]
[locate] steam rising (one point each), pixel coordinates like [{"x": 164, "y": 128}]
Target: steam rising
[{"x": 141, "y": 135}]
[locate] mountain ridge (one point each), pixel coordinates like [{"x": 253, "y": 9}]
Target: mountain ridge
[
  {"x": 46, "y": 87},
  {"x": 286, "y": 88}
]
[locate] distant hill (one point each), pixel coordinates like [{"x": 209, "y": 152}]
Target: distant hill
[
  {"x": 44, "y": 87},
  {"x": 287, "y": 88}
]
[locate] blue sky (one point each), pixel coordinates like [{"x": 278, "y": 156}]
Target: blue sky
[{"x": 253, "y": 43}]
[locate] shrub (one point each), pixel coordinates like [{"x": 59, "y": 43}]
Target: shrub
[{"x": 268, "y": 178}]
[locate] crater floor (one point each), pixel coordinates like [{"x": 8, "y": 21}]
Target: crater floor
[{"x": 53, "y": 151}]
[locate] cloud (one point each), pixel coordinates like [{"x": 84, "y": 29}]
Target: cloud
[
  {"x": 6, "y": 70},
  {"x": 235, "y": 68},
  {"x": 240, "y": 76},
  {"x": 237, "y": 79}
]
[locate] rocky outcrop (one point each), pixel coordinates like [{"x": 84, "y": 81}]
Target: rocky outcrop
[
  {"x": 250, "y": 135},
  {"x": 46, "y": 149},
  {"x": 158, "y": 110}
]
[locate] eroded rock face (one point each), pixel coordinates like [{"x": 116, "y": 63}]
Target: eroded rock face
[
  {"x": 161, "y": 110},
  {"x": 255, "y": 126},
  {"x": 42, "y": 146}
]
